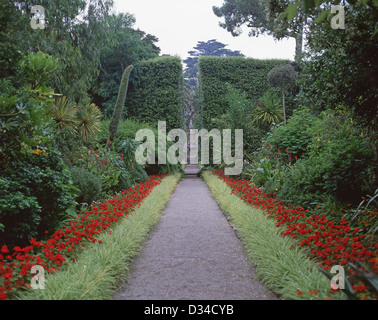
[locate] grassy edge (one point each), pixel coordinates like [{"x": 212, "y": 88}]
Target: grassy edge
[
  {"x": 284, "y": 269},
  {"x": 101, "y": 268}
]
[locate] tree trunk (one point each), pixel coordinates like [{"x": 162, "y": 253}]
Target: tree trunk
[
  {"x": 299, "y": 44},
  {"x": 283, "y": 104}
]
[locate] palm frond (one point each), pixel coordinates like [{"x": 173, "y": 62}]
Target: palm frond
[
  {"x": 64, "y": 113},
  {"x": 89, "y": 121},
  {"x": 267, "y": 110}
]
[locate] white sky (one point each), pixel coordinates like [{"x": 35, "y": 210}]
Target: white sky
[{"x": 180, "y": 24}]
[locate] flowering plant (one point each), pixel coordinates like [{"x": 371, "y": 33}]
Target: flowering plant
[
  {"x": 65, "y": 243},
  {"x": 329, "y": 243}
]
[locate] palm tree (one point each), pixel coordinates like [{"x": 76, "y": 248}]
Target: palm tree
[
  {"x": 267, "y": 110},
  {"x": 89, "y": 121},
  {"x": 64, "y": 114}
]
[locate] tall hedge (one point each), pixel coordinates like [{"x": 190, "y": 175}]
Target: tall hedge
[
  {"x": 246, "y": 74},
  {"x": 158, "y": 93}
]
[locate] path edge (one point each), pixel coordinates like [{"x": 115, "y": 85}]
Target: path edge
[
  {"x": 249, "y": 224},
  {"x": 89, "y": 278}
]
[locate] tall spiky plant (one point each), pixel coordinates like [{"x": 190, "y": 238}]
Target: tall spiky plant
[
  {"x": 64, "y": 114},
  {"x": 118, "y": 110},
  {"x": 89, "y": 121},
  {"x": 267, "y": 110}
]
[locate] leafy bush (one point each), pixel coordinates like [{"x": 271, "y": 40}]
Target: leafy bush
[
  {"x": 102, "y": 163},
  {"x": 32, "y": 171},
  {"x": 295, "y": 135},
  {"x": 127, "y": 130},
  {"x": 19, "y": 212},
  {"x": 38, "y": 68},
  {"x": 339, "y": 166},
  {"x": 125, "y": 139},
  {"x": 89, "y": 185},
  {"x": 238, "y": 116},
  {"x": 35, "y": 195}
]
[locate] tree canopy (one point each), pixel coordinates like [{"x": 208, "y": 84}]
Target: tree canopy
[
  {"x": 208, "y": 48},
  {"x": 261, "y": 18}
]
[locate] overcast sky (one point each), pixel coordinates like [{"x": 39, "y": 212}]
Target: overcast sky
[{"x": 180, "y": 24}]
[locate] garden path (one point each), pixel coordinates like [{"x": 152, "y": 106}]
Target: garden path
[{"x": 193, "y": 253}]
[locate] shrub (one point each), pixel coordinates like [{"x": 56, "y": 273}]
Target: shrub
[
  {"x": 19, "y": 212},
  {"x": 339, "y": 166},
  {"x": 103, "y": 163},
  {"x": 125, "y": 138},
  {"x": 35, "y": 195},
  {"x": 124, "y": 180},
  {"x": 32, "y": 172},
  {"x": 246, "y": 74},
  {"x": 89, "y": 185},
  {"x": 239, "y": 116},
  {"x": 295, "y": 135}
]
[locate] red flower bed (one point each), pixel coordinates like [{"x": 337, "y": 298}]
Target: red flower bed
[
  {"x": 15, "y": 266},
  {"x": 328, "y": 242}
]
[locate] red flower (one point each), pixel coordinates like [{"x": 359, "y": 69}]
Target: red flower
[
  {"x": 60, "y": 247},
  {"x": 331, "y": 243},
  {"x": 4, "y": 249}
]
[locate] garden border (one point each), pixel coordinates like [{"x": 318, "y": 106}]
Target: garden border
[
  {"x": 102, "y": 268},
  {"x": 282, "y": 267}
]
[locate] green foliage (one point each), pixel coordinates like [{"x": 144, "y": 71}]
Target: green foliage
[
  {"x": 24, "y": 119},
  {"x": 158, "y": 94},
  {"x": 103, "y": 163},
  {"x": 89, "y": 121},
  {"x": 239, "y": 115},
  {"x": 205, "y": 49},
  {"x": 10, "y": 19},
  {"x": 32, "y": 170},
  {"x": 295, "y": 135},
  {"x": 64, "y": 114},
  {"x": 118, "y": 110},
  {"x": 74, "y": 33},
  {"x": 19, "y": 212},
  {"x": 267, "y": 110},
  {"x": 127, "y": 47},
  {"x": 246, "y": 74},
  {"x": 42, "y": 185},
  {"x": 88, "y": 184},
  {"x": 283, "y": 76},
  {"x": 342, "y": 64},
  {"x": 127, "y": 130},
  {"x": 339, "y": 166},
  {"x": 269, "y": 173},
  {"x": 38, "y": 68}
]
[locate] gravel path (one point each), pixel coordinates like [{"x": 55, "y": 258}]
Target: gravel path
[{"x": 193, "y": 253}]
